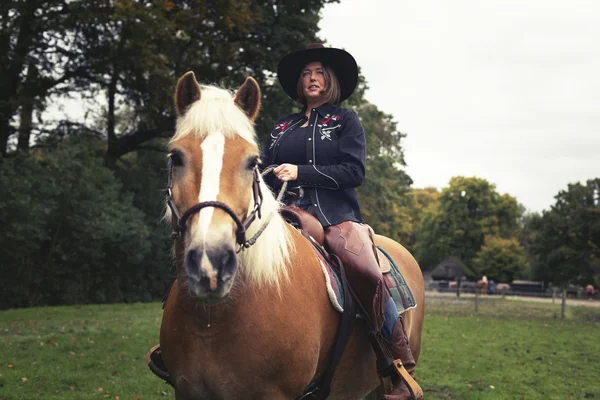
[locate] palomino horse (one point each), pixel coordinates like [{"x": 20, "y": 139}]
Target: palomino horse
[
  {"x": 482, "y": 285},
  {"x": 253, "y": 324}
]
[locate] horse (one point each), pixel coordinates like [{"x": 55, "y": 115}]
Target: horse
[
  {"x": 482, "y": 285},
  {"x": 242, "y": 319}
]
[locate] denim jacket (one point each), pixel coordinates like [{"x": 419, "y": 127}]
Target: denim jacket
[{"x": 335, "y": 161}]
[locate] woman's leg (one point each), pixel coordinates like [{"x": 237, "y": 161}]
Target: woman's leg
[{"x": 352, "y": 243}]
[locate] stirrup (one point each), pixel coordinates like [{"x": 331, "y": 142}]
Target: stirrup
[
  {"x": 412, "y": 385},
  {"x": 157, "y": 365}
]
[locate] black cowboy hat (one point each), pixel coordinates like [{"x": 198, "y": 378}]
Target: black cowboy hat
[{"x": 342, "y": 63}]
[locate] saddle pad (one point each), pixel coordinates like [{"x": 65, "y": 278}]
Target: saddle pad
[{"x": 401, "y": 293}]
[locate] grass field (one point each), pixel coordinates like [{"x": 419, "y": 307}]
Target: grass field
[{"x": 509, "y": 350}]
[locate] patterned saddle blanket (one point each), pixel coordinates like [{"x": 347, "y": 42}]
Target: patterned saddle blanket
[{"x": 401, "y": 293}]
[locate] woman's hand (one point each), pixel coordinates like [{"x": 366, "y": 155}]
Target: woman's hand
[{"x": 286, "y": 172}]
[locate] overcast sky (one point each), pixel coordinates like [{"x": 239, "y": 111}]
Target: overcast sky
[{"x": 506, "y": 90}]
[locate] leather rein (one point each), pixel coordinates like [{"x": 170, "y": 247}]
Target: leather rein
[{"x": 179, "y": 220}]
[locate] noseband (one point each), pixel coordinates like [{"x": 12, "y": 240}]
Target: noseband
[{"x": 179, "y": 223}]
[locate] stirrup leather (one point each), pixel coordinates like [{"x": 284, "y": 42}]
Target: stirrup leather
[{"x": 412, "y": 385}]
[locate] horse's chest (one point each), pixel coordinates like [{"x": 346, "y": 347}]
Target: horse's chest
[{"x": 222, "y": 367}]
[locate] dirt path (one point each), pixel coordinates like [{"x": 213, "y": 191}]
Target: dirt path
[{"x": 570, "y": 302}]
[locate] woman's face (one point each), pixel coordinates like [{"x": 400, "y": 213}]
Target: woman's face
[{"x": 313, "y": 81}]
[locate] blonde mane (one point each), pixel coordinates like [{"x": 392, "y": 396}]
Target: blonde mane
[{"x": 267, "y": 261}]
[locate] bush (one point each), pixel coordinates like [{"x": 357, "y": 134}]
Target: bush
[{"x": 71, "y": 234}]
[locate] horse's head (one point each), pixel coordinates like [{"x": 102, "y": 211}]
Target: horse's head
[{"x": 213, "y": 165}]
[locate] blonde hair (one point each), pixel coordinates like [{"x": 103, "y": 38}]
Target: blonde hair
[{"x": 332, "y": 90}]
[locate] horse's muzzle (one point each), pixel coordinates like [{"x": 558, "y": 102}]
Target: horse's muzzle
[{"x": 210, "y": 273}]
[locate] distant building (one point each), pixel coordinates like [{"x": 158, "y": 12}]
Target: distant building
[
  {"x": 450, "y": 269},
  {"x": 527, "y": 286}
]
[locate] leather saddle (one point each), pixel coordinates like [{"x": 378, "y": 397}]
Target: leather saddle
[{"x": 307, "y": 223}]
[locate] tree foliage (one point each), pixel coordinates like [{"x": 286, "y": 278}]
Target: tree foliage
[
  {"x": 422, "y": 202},
  {"x": 469, "y": 209},
  {"x": 128, "y": 54},
  {"x": 70, "y": 232},
  {"x": 383, "y": 195},
  {"x": 565, "y": 240},
  {"x": 501, "y": 259}
]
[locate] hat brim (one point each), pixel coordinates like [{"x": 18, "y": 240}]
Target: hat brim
[{"x": 343, "y": 65}]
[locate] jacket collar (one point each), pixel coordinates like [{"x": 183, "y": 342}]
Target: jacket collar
[{"x": 323, "y": 109}]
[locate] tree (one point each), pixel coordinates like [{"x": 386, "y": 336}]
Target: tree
[
  {"x": 70, "y": 232},
  {"x": 35, "y": 59},
  {"x": 565, "y": 240},
  {"x": 123, "y": 54},
  {"x": 383, "y": 195},
  {"x": 469, "y": 209},
  {"x": 383, "y": 200},
  {"x": 421, "y": 202},
  {"x": 501, "y": 259}
]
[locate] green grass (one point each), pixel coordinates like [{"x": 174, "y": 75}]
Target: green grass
[
  {"x": 509, "y": 350},
  {"x": 521, "y": 349},
  {"x": 87, "y": 352}
]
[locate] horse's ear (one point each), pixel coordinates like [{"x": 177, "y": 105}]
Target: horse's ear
[
  {"x": 187, "y": 92},
  {"x": 248, "y": 98}
]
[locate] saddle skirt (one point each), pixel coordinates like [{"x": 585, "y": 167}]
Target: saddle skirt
[{"x": 313, "y": 231}]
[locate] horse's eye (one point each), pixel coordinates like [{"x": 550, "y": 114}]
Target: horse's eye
[
  {"x": 176, "y": 158},
  {"x": 253, "y": 162}
]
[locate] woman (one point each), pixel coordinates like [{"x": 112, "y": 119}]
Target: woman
[{"x": 322, "y": 149}]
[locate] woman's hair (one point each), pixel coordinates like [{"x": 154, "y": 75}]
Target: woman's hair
[{"x": 332, "y": 87}]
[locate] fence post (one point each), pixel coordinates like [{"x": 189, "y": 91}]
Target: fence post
[
  {"x": 553, "y": 295},
  {"x": 476, "y": 300},
  {"x": 564, "y": 303}
]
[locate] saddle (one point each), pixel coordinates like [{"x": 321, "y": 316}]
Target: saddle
[{"x": 309, "y": 225}]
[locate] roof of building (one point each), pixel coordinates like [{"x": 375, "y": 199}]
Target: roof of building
[{"x": 450, "y": 269}]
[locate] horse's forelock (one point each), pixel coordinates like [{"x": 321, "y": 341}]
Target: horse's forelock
[{"x": 215, "y": 113}]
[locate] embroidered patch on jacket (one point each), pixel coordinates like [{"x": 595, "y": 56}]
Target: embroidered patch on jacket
[
  {"x": 329, "y": 124},
  {"x": 278, "y": 130},
  {"x": 282, "y": 126}
]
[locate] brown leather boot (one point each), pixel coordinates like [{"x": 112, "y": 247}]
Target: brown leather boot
[{"x": 401, "y": 351}]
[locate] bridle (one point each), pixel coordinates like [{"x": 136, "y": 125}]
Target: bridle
[{"x": 179, "y": 220}]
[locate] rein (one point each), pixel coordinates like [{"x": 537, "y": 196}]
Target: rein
[{"x": 179, "y": 220}]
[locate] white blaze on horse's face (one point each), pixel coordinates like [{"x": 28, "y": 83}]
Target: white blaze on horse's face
[{"x": 212, "y": 162}]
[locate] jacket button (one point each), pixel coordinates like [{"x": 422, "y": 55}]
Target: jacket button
[
  {"x": 310, "y": 161},
  {"x": 309, "y": 139}
]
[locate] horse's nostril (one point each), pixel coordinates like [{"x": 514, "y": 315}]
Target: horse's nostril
[
  {"x": 205, "y": 281},
  {"x": 226, "y": 257},
  {"x": 228, "y": 263},
  {"x": 193, "y": 261}
]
